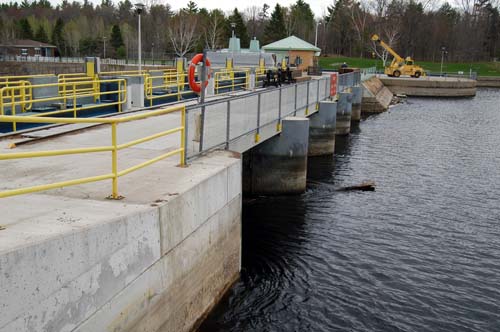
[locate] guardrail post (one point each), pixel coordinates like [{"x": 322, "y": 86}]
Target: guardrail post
[
  {"x": 257, "y": 134},
  {"x": 228, "y": 123}
]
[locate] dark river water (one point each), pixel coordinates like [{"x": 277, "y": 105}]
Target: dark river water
[{"x": 421, "y": 253}]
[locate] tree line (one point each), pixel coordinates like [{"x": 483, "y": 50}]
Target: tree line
[{"x": 463, "y": 30}]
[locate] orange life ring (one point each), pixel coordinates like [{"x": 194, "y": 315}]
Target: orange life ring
[{"x": 196, "y": 87}]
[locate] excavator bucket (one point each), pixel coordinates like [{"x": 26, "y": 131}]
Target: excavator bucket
[{"x": 375, "y": 38}]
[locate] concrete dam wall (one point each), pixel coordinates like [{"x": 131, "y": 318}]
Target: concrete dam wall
[{"x": 87, "y": 265}]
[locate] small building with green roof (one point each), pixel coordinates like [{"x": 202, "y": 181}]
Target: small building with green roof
[{"x": 299, "y": 52}]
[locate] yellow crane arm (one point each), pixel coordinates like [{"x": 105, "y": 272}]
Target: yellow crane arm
[{"x": 396, "y": 56}]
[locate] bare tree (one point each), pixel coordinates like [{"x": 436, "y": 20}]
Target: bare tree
[
  {"x": 181, "y": 32},
  {"x": 215, "y": 29},
  {"x": 359, "y": 16},
  {"x": 391, "y": 35},
  {"x": 252, "y": 16},
  {"x": 289, "y": 21}
]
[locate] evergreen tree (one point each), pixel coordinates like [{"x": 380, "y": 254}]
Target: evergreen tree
[
  {"x": 88, "y": 46},
  {"x": 303, "y": 19},
  {"x": 25, "y": 31},
  {"x": 41, "y": 35},
  {"x": 275, "y": 29},
  {"x": 116, "y": 37},
  {"x": 240, "y": 30},
  {"x": 191, "y": 8},
  {"x": 57, "y": 36}
]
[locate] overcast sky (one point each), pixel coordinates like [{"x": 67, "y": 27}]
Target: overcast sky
[{"x": 318, "y": 6}]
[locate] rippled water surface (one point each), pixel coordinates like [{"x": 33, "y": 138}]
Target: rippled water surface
[{"x": 421, "y": 253}]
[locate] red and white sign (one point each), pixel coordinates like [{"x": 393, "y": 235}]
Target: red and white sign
[{"x": 333, "y": 84}]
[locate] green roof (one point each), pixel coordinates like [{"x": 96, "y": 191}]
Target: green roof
[{"x": 291, "y": 43}]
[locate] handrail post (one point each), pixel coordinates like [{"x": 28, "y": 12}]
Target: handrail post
[
  {"x": 257, "y": 134},
  {"x": 295, "y": 102},
  {"x": 228, "y": 123},
  {"x": 186, "y": 133},
  {"x": 307, "y": 99},
  {"x": 317, "y": 96},
  {"x": 183, "y": 136},
  {"x": 22, "y": 97},
  {"x": 114, "y": 162},
  {"x": 74, "y": 100},
  {"x": 1, "y": 102},
  {"x": 278, "y": 125},
  {"x": 119, "y": 96}
]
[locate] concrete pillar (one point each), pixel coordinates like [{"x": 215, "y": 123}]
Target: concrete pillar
[
  {"x": 210, "y": 91},
  {"x": 322, "y": 129},
  {"x": 279, "y": 165},
  {"x": 357, "y": 96},
  {"x": 344, "y": 110}
]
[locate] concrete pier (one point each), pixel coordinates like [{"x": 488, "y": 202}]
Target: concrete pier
[
  {"x": 279, "y": 165},
  {"x": 322, "y": 129},
  {"x": 488, "y": 82},
  {"x": 357, "y": 96},
  {"x": 431, "y": 86},
  {"x": 376, "y": 97},
  {"x": 344, "y": 111}
]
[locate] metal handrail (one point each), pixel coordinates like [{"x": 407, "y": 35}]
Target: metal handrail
[
  {"x": 229, "y": 75},
  {"x": 113, "y": 148},
  {"x": 175, "y": 81},
  {"x": 24, "y": 99}
]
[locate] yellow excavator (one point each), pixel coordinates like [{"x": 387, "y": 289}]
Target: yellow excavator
[{"x": 399, "y": 66}]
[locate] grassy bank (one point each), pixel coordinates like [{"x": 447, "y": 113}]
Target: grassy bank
[{"x": 482, "y": 68}]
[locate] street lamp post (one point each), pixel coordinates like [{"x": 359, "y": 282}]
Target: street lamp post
[
  {"x": 233, "y": 25},
  {"x": 139, "y": 8},
  {"x": 316, "y": 36},
  {"x": 443, "y": 52}
]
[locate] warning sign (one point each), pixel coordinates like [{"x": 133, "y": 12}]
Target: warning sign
[{"x": 333, "y": 84}]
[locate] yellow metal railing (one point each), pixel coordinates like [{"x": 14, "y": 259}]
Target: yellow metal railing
[
  {"x": 114, "y": 148},
  {"x": 17, "y": 92},
  {"x": 22, "y": 97},
  {"x": 91, "y": 84},
  {"x": 228, "y": 79},
  {"x": 260, "y": 74},
  {"x": 174, "y": 84},
  {"x": 6, "y": 81}
]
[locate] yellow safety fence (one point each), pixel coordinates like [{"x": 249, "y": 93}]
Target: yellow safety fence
[
  {"x": 113, "y": 148},
  {"x": 260, "y": 74},
  {"x": 15, "y": 80},
  {"x": 22, "y": 97},
  {"x": 228, "y": 79},
  {"x": 174, "y": 84},
  {"x": 91, "y": 83}
]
